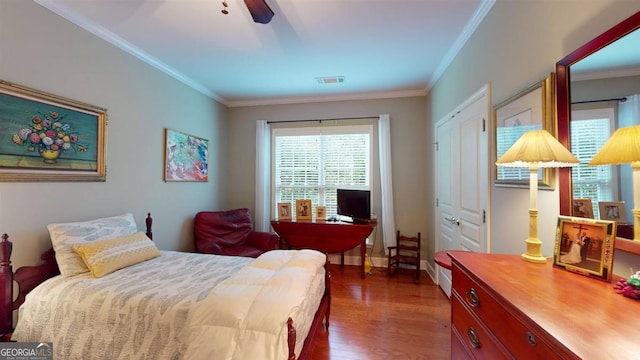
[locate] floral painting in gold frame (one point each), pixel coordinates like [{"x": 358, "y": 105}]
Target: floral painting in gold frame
[{"x": 49, "y": 137}]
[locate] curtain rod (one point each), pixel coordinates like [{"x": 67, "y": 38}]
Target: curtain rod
[
  {"x": 321, "y": 120},
  {"x": 622, "y": 99}
]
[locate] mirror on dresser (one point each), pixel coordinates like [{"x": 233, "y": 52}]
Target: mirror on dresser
[{"x": 599, "y": 80}]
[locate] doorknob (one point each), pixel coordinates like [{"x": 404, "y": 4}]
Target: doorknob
[{"x": 453, "y": 220}]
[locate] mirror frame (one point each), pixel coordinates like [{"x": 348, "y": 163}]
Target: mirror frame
[{"x": 563, "y": 97}]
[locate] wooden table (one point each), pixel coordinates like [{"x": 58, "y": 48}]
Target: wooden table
[
  {"x": 328, "y": 237},
  {"x": 442, "y": 258}
]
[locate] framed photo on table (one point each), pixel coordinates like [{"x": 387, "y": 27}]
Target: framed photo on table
[
  {"x": 583, "y": 208},
  {"x": 585, "y": 246},
  {"x": 284, "y": 211},
  {"x": 613, "y": 210},
  {"x": 321, "y": 212},
  {"x": 303, "y": 209}
]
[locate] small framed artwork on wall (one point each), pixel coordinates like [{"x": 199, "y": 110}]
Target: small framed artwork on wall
[
  {"x": 185, "y": 157},
  {"x": 303, "y": 209},
  {"x": 284, "y": 211}
]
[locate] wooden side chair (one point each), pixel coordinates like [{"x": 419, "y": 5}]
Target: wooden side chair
[{"x": 406, "y": 252}]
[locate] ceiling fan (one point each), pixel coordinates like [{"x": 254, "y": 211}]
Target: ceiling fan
[{"x": 259, "y": 10}]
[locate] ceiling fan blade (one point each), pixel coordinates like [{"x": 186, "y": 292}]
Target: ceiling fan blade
[{"x": 260, "y": 11}]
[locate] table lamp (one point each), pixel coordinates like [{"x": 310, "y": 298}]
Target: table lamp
[
  {"x": 621, "y": 148},
  {"x": 536, "y": 149}
]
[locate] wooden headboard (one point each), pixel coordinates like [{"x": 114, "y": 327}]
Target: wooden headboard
[{"x": 27, "y": 278}]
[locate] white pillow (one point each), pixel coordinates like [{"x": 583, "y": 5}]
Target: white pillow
[{"x": 65, "y": 235}]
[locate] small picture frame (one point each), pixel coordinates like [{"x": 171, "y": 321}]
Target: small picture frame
[
  {"x": 613, "y": 211},
  {"x": 583, "y": 208},
  {"x": 284, "y": 211},
  {"x": 585, "y": 246},
  {"x": 303, "y": 209},
  {"x": 321, "y": 212}
]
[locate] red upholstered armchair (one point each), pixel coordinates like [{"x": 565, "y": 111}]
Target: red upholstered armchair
[{"x": 230, "y": 233}]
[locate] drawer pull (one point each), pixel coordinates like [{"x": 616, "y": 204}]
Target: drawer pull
[
  {"x": 531, "y": 339},
  {"x": 473, "y": 338},
  {"x": 472, "y": 297}
]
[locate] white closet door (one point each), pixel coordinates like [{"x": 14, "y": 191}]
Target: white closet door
[{"x": 462, "y": 180}]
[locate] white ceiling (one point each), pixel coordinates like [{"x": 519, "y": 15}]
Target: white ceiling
[{"x": 383, "y": 48}]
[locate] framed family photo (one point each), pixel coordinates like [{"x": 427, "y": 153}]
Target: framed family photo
[
  {"x": 321, "y": 212},
  {"x": 585, "y": 246},
  {"x": 303, "y": 209},
  {"x": 613, "y": 210},
  {"x": 284, "y": 211},
  {"x": 185, "y": 157},
  {"x": 47, "y": 137},
  {"x": 583, "y": 208}
]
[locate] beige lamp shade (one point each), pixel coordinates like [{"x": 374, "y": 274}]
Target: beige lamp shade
[
  {"x": 537, "y": 148},
  {"x": 622, "y": 147}
]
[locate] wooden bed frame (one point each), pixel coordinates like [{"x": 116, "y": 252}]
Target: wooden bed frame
[{"x": 28, "y": 277}]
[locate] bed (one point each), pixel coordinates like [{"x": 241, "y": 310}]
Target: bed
[{"x": 171, "y": 306}]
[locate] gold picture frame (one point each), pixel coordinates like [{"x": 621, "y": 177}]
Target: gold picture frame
[
  {"x": 613, "y": 211},
  {"x": 585, "y": 246},
  {"x": 284, "y": 211},
  {"x": 321, "y": 212},
  {"x": 303, "y": 209},
  {"x": 48, "y": 137},
  {"x": 531, "y": 109},
  {"x": 583, "y": 207}
]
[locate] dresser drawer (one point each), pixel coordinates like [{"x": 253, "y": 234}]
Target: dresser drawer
[
  {"x": 473, "y": 335},
  {"x": 521, "y": 340}
]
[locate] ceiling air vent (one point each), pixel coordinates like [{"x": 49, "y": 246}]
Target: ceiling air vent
[{"x": 330, "y": 80}]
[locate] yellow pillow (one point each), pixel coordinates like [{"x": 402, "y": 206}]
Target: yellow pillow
[{"x": 106, "y": 256}]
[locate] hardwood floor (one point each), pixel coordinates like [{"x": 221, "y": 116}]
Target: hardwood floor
[{"x": 384, "y": 318}]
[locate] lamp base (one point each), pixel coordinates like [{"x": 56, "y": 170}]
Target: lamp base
[
  {"x": 533, "y": 258},
  {"x": 533, "y": 253}
]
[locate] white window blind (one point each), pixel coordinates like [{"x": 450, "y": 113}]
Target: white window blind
[
  {"x": 590, "y": 129},
  {"x": 311, "y": 163}
]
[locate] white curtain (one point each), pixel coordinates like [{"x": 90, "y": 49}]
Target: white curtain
[
  {"x": 628, "y": 115},
  {"x": 263, "y": 177},
  {"x": 386, "y": 186}
]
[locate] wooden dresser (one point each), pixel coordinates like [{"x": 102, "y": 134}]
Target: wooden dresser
[{"x": 505, "y": 308}]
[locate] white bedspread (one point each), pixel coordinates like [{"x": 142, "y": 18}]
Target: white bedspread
[{"x": 179, "y": 306}]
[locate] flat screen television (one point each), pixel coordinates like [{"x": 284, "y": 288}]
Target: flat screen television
[{"x": 355, "y": 204}]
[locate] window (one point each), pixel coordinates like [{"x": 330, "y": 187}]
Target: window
[
  {"x": 590, "y": 129},
  {"x": 312, "y": 162}
]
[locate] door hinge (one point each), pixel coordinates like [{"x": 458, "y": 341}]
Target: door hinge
[
  {"x": 437, "y": 202},
  {"x": 436, "y": 145},
  {"x": 484, "y": 124},
  {"x": 484, "y": 216}
]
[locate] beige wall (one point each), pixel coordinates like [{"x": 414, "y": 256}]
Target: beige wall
[
  {"x": 517, "y": 45},
  {"x": 411, "y": 182},
  {"x": 43, "y": 51}
]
